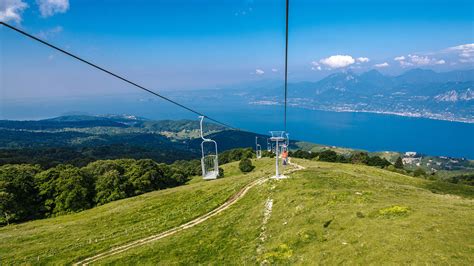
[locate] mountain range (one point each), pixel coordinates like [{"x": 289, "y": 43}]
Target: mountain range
[{"x": 417, "y": 92}]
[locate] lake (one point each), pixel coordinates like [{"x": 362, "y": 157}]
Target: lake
[{"x": 373, "y": 132}]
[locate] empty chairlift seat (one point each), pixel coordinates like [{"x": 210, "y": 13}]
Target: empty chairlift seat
[
  {"x": 258, "y": 149},
  {"x": 209, "y": 158}
]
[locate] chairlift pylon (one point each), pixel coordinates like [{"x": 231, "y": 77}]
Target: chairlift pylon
[
  {"x": 209, "y": 162},
  {"x": 278, "y": 137}
]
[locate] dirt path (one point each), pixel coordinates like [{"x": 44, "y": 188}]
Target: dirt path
[{"x": 232, "y": 200}]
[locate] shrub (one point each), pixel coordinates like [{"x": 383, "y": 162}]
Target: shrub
[
  {"x": 467, "y": 179},
  {"x": 359, "y": 158},
  {"x": 304, "y": 154},
  {"x": 328, "y": 156},
  {"x": 245, "y": 165},
  {"x": 377, "y": 161},
  {"x": 399, "y": 163},
  {"x": 419, "y": 172},
  {"x": 221, "y": 172},
  {"x": 394, "y": 211},
  {"x": 331, "y": 156},
  {"x": 235, "y": 155}
]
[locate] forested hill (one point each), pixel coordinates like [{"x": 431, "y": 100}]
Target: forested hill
[{"x": 79, "y": 140}]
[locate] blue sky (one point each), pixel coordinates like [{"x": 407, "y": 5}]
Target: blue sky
[{"x": 177, "y": 44}]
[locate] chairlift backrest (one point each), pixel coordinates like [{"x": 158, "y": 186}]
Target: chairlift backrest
[
  {"x": 258, "y": 149},
  {"x": 209, "y": 162}
]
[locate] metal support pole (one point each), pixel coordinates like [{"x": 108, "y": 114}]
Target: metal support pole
[{"x": 276, "y": 160}]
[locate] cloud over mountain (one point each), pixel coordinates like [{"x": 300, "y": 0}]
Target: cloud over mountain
[{"x": 338, "y": 61}]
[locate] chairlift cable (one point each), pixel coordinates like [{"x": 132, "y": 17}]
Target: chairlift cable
[
  {"x": 286, "y": 59},
  {"x": 114, "y": 75}
]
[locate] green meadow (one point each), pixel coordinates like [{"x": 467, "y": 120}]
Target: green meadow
[{"x": 328, "y": 213}]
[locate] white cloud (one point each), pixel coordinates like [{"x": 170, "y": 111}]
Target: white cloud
[
  {"x": 46, "y": 34},
  {"x": 399, "y": 58},
  {"x": 274, "y": 70},
  {"x": 363, "y": 59},
  {"x": 465, "y": 51},
  {"x": 381, "y": 65},
  {"x": 259, "y": 72},
  {"x": 50, "y": 7},
  {"x": 463, "y": 47},
  {"x": 337, "y": 61},
  {"x": 418, "y": 60},
  {"x": 316, "y": 68},
  {"x": 11, "y": 10}
]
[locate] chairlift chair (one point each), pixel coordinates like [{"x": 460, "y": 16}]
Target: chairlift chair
[
  {"x": 258, "y": 149},
  {"x": 209, "y": 162},
  {"x": 269, "y": 145}
]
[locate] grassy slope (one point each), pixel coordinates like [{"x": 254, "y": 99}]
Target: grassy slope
[
  {"x": 348, "y": 200},
  {"x": 68, "y": 238},
  {"x": 436, "y": 228}
]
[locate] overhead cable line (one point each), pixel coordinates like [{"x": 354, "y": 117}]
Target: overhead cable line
[
  {"x": 114, "y": 75},
  {"x": 286, "y": 59}
]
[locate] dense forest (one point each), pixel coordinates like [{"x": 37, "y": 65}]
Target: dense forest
[{"x": 29, "y": 191}]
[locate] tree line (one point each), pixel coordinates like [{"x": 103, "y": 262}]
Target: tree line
[
  {"x": 28, "y": 192},
  {"x": 332, "y": 156}
]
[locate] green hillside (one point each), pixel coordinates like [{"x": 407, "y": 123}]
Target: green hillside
[{"x": 326, "y": 213}]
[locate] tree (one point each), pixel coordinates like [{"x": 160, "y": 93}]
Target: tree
[
  {"x": 378, "y": 161},
  {"x": 221, "y": 172},
  {"x": 245, "y": 165},
  {"x": 110, "y": 186},
  {"x": 419, "y": 172},
  {"x": 360, "y": 158},
  {"x": 328, "y": 156},
  {"x": 65, "y": 189},
  {"x": 19, "y": 199},
  {"x": 303, "y": 154},
  {"x": 399, "y": 163}
]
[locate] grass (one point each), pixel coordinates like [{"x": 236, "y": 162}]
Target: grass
[
  {"x": 326, "y": 214},
  {"x": 68, "y": 238}
]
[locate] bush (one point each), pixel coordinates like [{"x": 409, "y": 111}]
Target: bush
[
  {"x": 419, "y": 172},
  {"x": 235, "y": 155},
  {"x": 269, "y": 154},
  {"x": 399, "y": 163},
  {"x": 467, "y": 179},
  {"x": 394, "y": 211},
  {"x": 331, "y": 156},
  {"x": 221, "y": 172},
  {"x": 304, "y": 154},
  {"x": 378, "y": 161},
  {"x": 245, "y": 165},
  {"x": 359, "y": 158}
]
